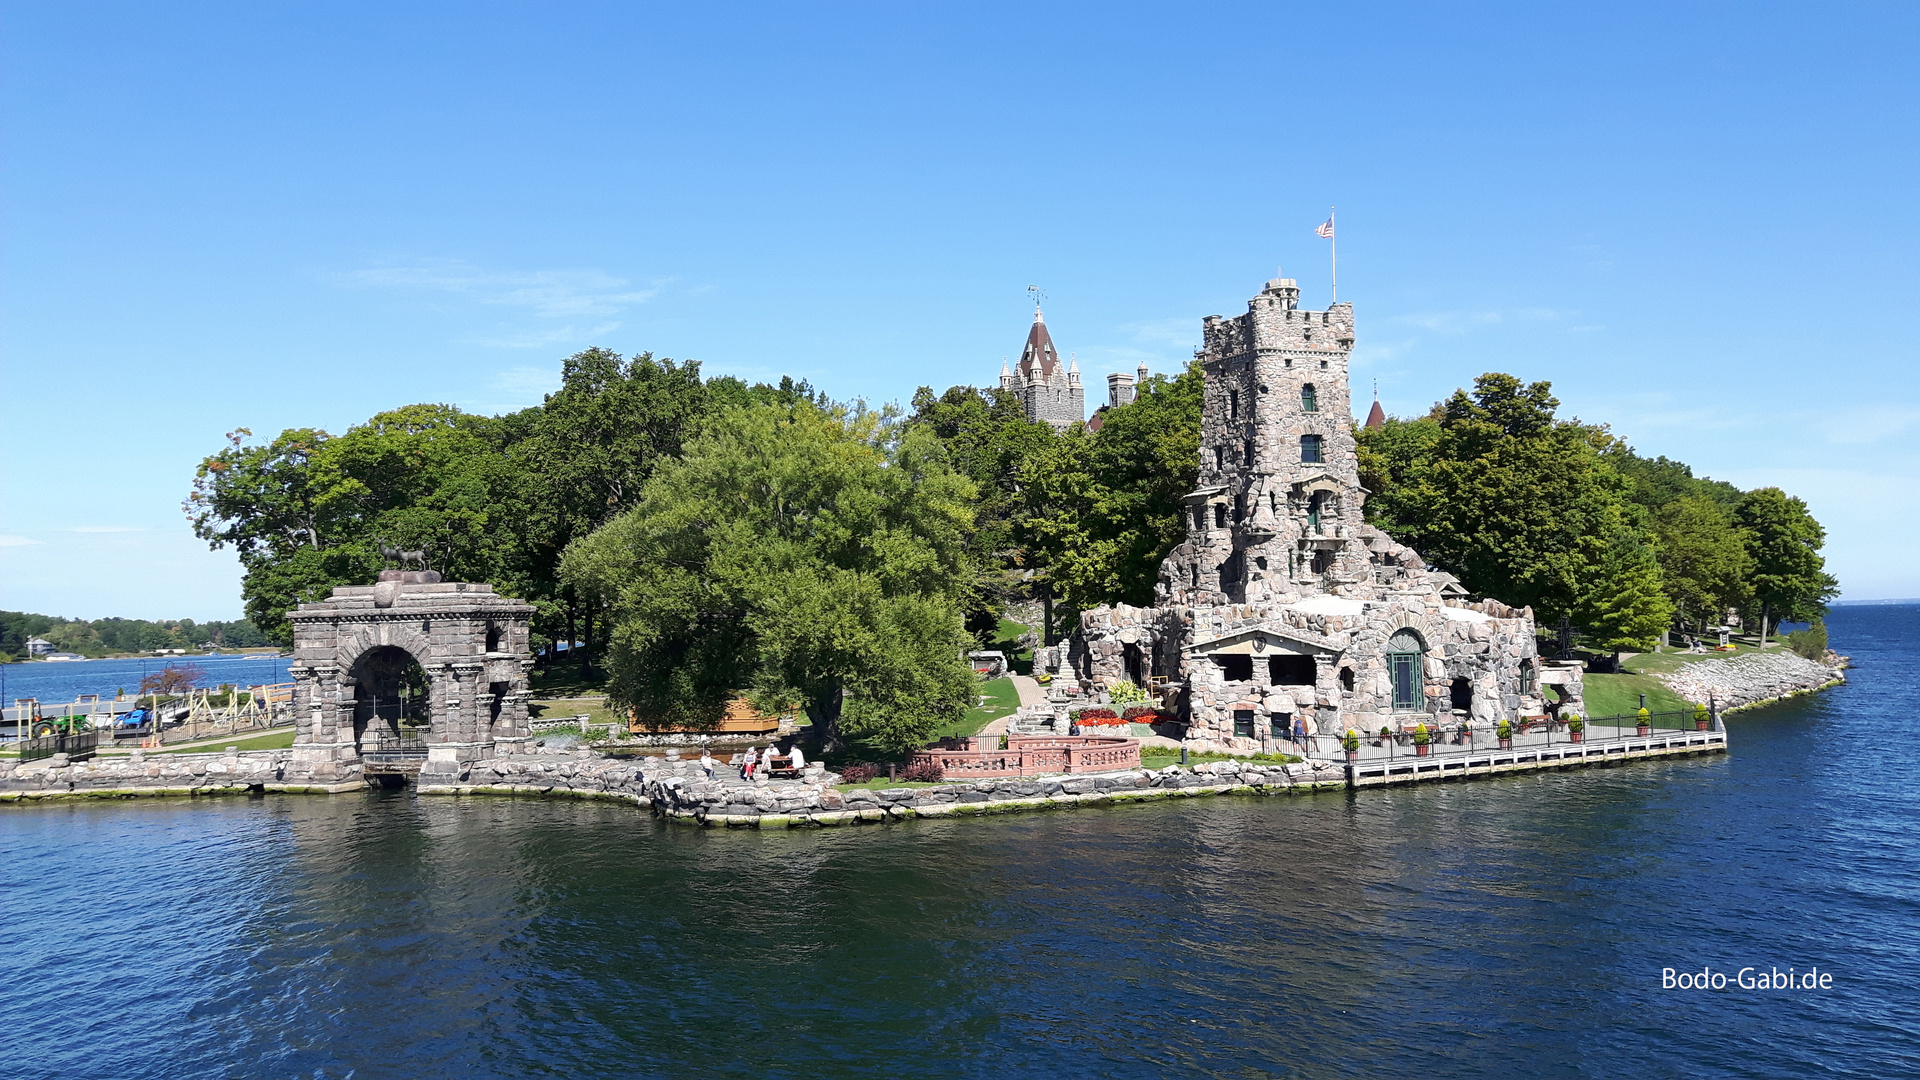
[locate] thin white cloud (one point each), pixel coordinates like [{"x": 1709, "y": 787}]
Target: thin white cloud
[
  {"x": 565, "y": 335},
  {"x": 8, "y": 540},
  {"x": 107, "y": 529},
  {"x": 1856, "y": 427},
  {"x": 1460, "y": 322},
  {"x": 536, "y": 299}
]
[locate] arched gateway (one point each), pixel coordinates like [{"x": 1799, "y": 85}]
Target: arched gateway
[{"x": 354, "y": 667}]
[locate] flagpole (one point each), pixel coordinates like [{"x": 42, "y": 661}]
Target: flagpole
[{"x": 1333, "y": 248}]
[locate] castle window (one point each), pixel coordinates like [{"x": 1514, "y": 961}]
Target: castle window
[
  {"x": 1310, "y": 448},
  {"x": 1529, "y": 679},
  {"x": 1346, "y": 679},
  {"x": 1316, "y": 502},
  {"x": 1249, "y": 450},
  {"x": 1235, "y": 667},
  {"x": 1323, "y": 365},
  {"x": 1322, "y": 561},
  {"x": 1219, "y": 515},
  {"x": 1219, "y": 457},
  {"x": 1288, "y": 670},
  {"x": 1233, "y": 404},
  {"x": 1460, "y": 694},
  {"x": 1280, "y": 725},
  {"x": 1260, "y": 561},
  {"x": 1243, "y": 723},
  {"x": 1200, "y": 517},
  {"x": 1309, "y": 400},
  {"x": 1405, "y": 651}
]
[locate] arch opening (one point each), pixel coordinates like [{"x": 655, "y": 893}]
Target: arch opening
[{"x": 392, "y": 697}]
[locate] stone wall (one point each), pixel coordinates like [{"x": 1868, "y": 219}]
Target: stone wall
[{"x": 167, "y": 774}]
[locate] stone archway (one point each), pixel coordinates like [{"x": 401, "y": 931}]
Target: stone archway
[{"x": 471, "y": 646}]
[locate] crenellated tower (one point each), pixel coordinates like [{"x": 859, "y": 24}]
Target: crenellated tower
[{"x": 1279, "y": 501}]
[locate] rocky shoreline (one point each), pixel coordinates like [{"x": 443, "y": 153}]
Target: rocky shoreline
[{"x": 1755, "y": 679}]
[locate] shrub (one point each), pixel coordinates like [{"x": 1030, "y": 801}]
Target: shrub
[
  {"x": 1642, "y": 716},
  {"x": 1504, "y": 729},
  {"x": 1386, "y": 732},
  {"x": 924, "y": 770},
  {"x": 857, "y": 774},
  {"x": 1125, "y": 693},
  {"x": 1811, "y": 642},
  {"x": 1421, "y": 736},
  {"x": 1352, "y": 741},
  {"x": 1575, "y": 724},
  {"x": 1700, "y": 712}
]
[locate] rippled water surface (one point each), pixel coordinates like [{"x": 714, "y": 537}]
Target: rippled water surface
[{"x": 1512, "y": 927}]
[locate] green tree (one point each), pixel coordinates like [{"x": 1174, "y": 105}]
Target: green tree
[
  {"x": 1514, "y": 502},
  {"x": 1789, "y": 579},
  {"x": 1703, "y": 559},
  {"x": 988, "y": 437},
  {"x": 1101, "y": 511},
  {"x": 807, "y": 554},
  {"x": 586, "y": 456},
  {"x": 1625, "y": 606}
]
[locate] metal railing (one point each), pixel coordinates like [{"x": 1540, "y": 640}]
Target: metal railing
[
  {"x": 79, "y": 744},
  {"x": 1446, "y": 739}
]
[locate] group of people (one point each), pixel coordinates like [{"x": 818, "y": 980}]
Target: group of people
[{"x": 758, "y": 760}]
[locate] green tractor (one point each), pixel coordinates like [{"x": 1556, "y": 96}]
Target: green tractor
[{"x": 60, "y": 725}]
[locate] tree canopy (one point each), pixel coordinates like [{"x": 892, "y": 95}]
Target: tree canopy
[{"x": 806, "y": 554}]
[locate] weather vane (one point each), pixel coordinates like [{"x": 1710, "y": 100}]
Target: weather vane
[{"x": 1036, "y": 294}]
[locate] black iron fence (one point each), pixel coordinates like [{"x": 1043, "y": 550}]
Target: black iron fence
[{"x": 79, "y": 744}]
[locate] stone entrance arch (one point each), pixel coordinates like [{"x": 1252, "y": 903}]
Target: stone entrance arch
[{"x": 472, "y": 644}]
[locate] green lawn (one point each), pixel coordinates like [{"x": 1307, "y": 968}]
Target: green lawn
[
  {"x": 1007, "y": 638},
  {"x": 1661, "y": 662},
  {"x": 564, "y": 680},
  {"x": 273, "y": 740},
  {"x": 1160, "y": 757},
  {"x": 1001, "y": 698},
  {"x": 1616, "y": 695}
]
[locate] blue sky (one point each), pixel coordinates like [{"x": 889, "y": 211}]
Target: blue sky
[{"x": 1697, "y": 220}]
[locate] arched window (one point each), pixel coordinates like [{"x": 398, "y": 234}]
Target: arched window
[
  {"x": 1309, "y": 400},
  {"x": 1310, "y": 448},
  {"x": 1346, "y": 679},
  {"x": 1405, "y": 652}
]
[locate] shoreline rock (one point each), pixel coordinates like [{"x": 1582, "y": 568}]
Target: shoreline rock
[{"x": 1744, "y": 682}]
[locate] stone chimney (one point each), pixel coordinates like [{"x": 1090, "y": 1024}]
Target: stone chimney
[{"x": 1119, "y": 390}]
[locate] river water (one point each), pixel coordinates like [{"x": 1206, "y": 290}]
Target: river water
[{"x": 1509, "y": 927}]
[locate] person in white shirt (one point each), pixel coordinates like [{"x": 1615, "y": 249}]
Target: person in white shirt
[
  {"x": 706, "y": 762},
  {"x": 799, "y": 759}
]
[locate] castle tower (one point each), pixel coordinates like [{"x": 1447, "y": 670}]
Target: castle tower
[
  {"x": 1279, "y": 497},
  {"x": 1048, "y": 390},
  {"x": 1119, "y": 390}
]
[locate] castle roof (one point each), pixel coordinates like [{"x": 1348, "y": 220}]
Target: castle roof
[
  {"x": 1039, "y": 356},
  {"x": 1377, "y": 417}
]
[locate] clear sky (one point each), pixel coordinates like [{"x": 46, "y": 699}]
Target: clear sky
[{"x": 1697, "y": 220}]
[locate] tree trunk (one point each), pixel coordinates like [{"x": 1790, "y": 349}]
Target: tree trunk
[
  {"x": 1765, "y": 611},
  {"x": 586, "y": 647},
  {"x": 572, "y": 638},
  {"x": 1046, "y": 617},
  {"x": 824, "y": 710}
]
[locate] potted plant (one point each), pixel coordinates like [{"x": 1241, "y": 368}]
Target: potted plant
[
  {"x": 1352, "y": 744},
  {"x": 1576, "y": 728},
  {"x": 1504, "y": 732},
  {"x": 1701, "y": 717},
  {"x": 1642, "y": 721},
  {"x": 1386, "y": 733},
  {"x": 1421, "y": 739}
]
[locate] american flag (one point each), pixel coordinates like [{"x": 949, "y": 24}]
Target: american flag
[{"x": 1326, "y": 230}]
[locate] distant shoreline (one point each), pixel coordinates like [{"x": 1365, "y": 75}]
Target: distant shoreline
[{"x": 1875, "y": 603}]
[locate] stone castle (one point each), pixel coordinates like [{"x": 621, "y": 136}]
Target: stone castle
[
  {"x": 1283, "y": 610},
  {"x": 1047, "y": 389}
]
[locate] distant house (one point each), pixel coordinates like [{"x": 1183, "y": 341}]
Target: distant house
[{"x": 39, "y": 646}]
